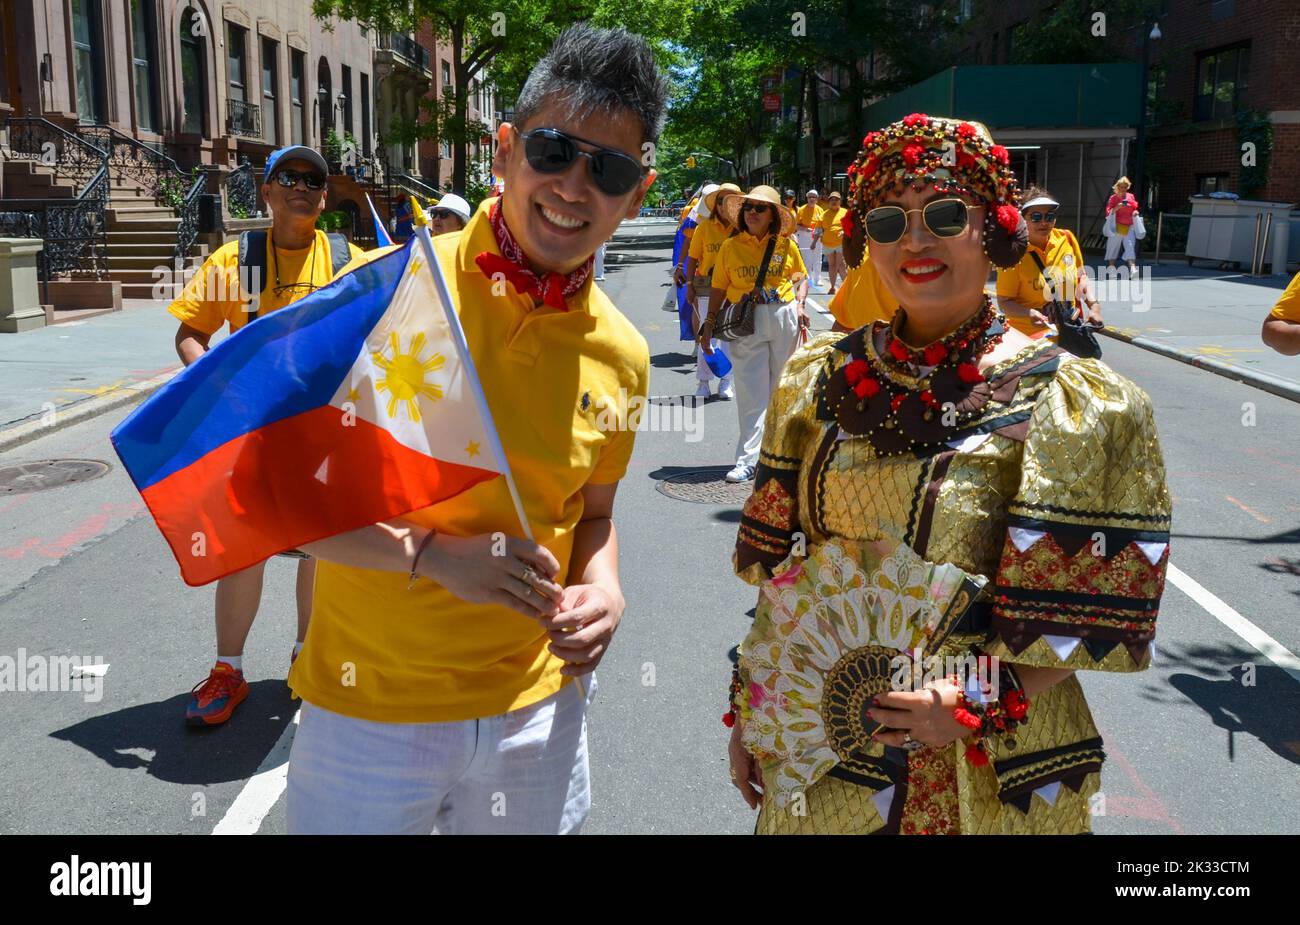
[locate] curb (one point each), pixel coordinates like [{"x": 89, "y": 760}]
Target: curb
[
  {"x": 83, "y": 411},
  {"x": 1283, "y": 388}
]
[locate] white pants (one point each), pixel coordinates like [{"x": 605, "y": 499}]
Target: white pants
[
  {"x": 1126, "y": 241},
  {"x": 757, "y": 361},
  {"x": 811, "y": 254},
  {"x": 523, "y": 772}
]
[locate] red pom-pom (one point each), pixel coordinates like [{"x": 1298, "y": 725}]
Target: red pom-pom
[
  {"x": 870, "y": 166},
  {"x": 870, "y": 139},
  {"x": 896, "y": 401},
  {"x": 969, "y": 373},
  {"x": 728, "y": 719},
  {"x": 966, "y": 130},
  {"x": 1001, "y": 154},
  {"x": 846, "y": 223},
  {"x": 965, "y": 160},
  {"x": 855, "y": 370},
  {"x": 975, "y": 755},
  {"x": 867, "y": 388},
  {"x": 928, "y": 397},
  {"x": 1016, "y": 705},
  {"x": 966, "y": 718},
  {"x": 900, "y": 353},
  {"x": 934, "y": 354},
  {"x": 916, "y": 119},
  {"x": 912, "y": 153},
  {"x": 1008, "y": 216}
]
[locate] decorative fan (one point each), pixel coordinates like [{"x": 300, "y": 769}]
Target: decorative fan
[{"x": 831, "y": 632}]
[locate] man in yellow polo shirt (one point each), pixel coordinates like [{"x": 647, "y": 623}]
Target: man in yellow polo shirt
[
  {"x": 279, "y": 267},
  {"x": 1282, "y": 326},
  {"x": 440, "y": 675}
]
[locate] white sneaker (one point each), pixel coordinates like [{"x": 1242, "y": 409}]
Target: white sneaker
[
  {"x": 726, "y": 391},
  {"x": 703, "y": 391},
  {"x": 742, "y": 473}
]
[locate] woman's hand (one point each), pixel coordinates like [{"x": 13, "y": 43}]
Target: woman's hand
[
  {"x": 745, "y": 774},
  {"x": 1038, "y": 318},
  {"x": 925, "y": 715},
  {"x": 491, "y": 569},
  {"x": 705, "y": 335},
  {"x": 690, "y": 293},
  {"x": 679, "y": 276}
]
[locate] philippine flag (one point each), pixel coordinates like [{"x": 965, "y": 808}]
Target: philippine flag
[{"x": 346, "y": 408}]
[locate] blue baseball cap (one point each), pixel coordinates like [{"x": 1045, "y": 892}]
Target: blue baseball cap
[{"x": 294, "y": 152}]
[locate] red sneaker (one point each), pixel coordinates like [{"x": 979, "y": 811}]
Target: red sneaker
[{"x": 215, "y": 699}]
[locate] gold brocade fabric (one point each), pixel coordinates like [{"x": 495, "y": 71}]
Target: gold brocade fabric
[{"x": 1057, "y": 494}]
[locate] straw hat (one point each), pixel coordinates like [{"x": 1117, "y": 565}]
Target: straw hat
[
  {"x": 711, "y": 197},
  {"x": 764, "y": 194}
]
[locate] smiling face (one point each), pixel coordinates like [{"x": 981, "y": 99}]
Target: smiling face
[
  {"x": 298, "y": 204},
  {"x": 440, "y": 223},
  {"x": 757, "y": 217},
  {"x": 1039, "y": 231},
  {"x": 935, "y": 279},
  {"x": 559, "y": 219}
]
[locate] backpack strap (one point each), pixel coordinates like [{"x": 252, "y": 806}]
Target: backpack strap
[
  {"x": 252, "y": 267},
  {"x": 340, "y": 253}
]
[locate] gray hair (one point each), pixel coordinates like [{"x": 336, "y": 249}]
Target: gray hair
[{"x": 590, "y": 71}]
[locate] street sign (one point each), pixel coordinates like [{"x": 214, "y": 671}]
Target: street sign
[{"x": 771, "y": 102}]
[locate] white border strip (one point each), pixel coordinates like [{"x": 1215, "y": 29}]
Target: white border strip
[
  {"x": 1271, "y": 649},
  {"x": 262, "y": 790}
]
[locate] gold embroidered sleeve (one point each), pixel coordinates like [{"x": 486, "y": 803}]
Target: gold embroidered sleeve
[
  {"x": 771, "y": 515},
  {"x": 1083, "y": 562}
]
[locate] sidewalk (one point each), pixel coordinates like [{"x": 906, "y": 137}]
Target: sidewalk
[
  {"x": 1210, "y": 319},
  {"x": 82, "y": 367}
]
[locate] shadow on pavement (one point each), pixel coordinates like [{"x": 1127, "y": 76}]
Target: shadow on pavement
[
  {"x": 1241, "y": 692},
  {"x": 187, "y": 755},
  {"x": 671, "y": 360}
]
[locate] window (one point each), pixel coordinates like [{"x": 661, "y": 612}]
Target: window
[
  {"x": 446, "y": 74},
  {"x": 235, "y": 48},
  {"x": 297, "y": 115},
  {"x": 1207, "y": 183},
  {"x": 346, "y": 89},
  {"x": 365, "y": 114},
  {"x": 86, "y": 59},
  {"x": 270, "y": 78},
  {"x": 324, "y": 99},
  {"x": 1221, "y": 78},
  {"x": 1156, "y": 94},
  {"x": 194, "y": 77},
  {"x": 143, "y": 69}
]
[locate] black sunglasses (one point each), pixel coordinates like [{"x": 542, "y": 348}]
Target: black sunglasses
[
  {"x": 756, "y": 207},
  {"x": 289, "y": 178},
  {"x": 442, "y": 213},
  {"x": 1041, "y": 216},
  {"x": 946, "y": 218},
  {"x": 549, "y": 150}
]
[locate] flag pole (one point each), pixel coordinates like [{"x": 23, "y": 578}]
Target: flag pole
[{"x": 471, "y": 377}]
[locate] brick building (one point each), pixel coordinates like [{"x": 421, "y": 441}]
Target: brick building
[{"x": 436, "y": 154}]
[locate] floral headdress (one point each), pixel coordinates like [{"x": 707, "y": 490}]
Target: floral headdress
[{"x": 950, "y": 155}]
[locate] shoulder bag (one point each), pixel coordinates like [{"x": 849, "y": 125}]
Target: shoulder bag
[
  {"x": 736, "y": 319},
  {"x": 1073, "y": 334}
]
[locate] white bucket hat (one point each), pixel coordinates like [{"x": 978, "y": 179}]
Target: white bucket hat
[{"x": 453, "y": 203}]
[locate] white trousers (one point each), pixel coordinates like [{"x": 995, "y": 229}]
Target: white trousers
[
  {"x": 521, "y": 773},
  {"x": 757, "y": 361},
  {"x": 811, "y": 254},
  {"x": 1128, "y": 242}
]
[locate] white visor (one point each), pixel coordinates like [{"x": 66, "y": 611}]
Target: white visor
[{"x": 1039, "y": 201}]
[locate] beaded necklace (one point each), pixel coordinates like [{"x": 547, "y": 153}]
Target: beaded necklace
[{"x": 912, "y": 400}]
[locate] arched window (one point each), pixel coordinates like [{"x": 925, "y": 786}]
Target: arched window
[{"x": 194, "y": 71}]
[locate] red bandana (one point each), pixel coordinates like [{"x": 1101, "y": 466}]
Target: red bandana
[{"x": 553, "y": 289}]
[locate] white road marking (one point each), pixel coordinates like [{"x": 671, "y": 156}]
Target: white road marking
[
  {"x": 1269, "y": 647},
  {"x": 262, "y": 790}
]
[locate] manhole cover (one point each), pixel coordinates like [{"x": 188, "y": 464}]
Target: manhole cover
[
  {"x": 48, "y": 473},
  {"x": 705, "y": 486}
]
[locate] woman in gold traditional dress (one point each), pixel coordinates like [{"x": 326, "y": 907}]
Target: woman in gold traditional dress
[{"x": 941, "y": 486}]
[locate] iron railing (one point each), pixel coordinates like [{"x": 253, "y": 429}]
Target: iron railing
[
  {"x": 407, "y": 47},
  {"x": 413, "y": 186},
  {"x": 243, "y": 119},
  {"x": 241, "y": 191},
  {"x": 74, "y": 229},
  {"x": 131, "y": 160}
]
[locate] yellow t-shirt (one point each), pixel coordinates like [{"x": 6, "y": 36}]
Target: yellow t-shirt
[
  {"x": 558, "y": 383},
  {"x": 1024, "y": 282},
  {"x": 213, "y": 296},
  {"x": 808, "y": 216},
  {"x": 832, "y": 232},
  {"x": 1288, "y": 307},
  {"x": 863, "y": 297},
  {"x": 706, "y": 243},
  {"x": 738, "y": 261}
]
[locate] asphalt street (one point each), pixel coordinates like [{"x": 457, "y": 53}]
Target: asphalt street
[{"x": 1206, "y": 741}]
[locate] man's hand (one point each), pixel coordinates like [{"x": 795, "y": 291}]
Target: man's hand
[
  {"x": 581, "y": 632},
  {"x": 487, "y": 569}
]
